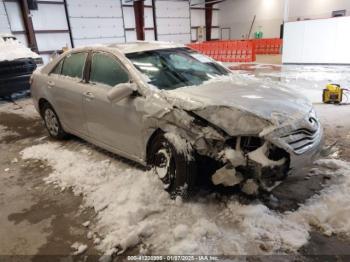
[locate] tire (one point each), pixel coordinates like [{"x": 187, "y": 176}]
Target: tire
[
  {"x": 52, "y": 122},
  {"x": 177, "y": 171}
]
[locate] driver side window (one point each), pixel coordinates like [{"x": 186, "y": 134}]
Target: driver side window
[{"x": 106, "y": 70}]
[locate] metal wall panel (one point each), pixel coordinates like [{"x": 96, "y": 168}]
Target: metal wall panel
[
  {"x": 149, "y": 17},
  {"x": 97, "y": 27},
  {"x": 197, "y": 17},
  {"x": 49, "y": 17},
  {"x": 15, "y": 16},
  {"x": 50, "y": 41},
  {"x": 94, "y": 8},
  {"x": 4, "y": 22},
  {"x": 130, "y": 36},
  {"x": 149, "y": 35},
  {"x": 93, "y": 41},
  {"x": 129, "y": 16},
  {"x": 49, "y": 23},
  {"x": 96, "y": 21},
  {"x": 173, "y": 21}
]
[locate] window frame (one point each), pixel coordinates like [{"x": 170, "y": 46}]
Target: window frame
[
  {"x": 57, "y": 64},
  {"x": 63, "y": 60},
  {"x": 89, "y": 66}
]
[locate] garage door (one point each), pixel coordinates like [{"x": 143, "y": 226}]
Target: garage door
[
  {"x": 96, "y": 21},
  {"x": 173, "y": 21}
]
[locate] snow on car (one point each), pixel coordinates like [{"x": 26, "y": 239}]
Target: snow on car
[
  {"x": 17, "y": 63},
  {"x": 168, "y": 107}
]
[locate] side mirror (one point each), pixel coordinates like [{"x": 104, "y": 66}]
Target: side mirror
[{"x": 121, "y": 91}]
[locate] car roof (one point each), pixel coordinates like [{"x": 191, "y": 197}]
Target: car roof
[{"x": 140, "y": 46}]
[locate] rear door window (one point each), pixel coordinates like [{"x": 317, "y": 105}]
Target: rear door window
[
  {"x": 74, "y": 64},
  {"x": 107, "y": 70},
  {"x": 58, "y": 68}
]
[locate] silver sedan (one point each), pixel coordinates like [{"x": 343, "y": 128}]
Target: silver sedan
[{"x": 180, "y": 112}]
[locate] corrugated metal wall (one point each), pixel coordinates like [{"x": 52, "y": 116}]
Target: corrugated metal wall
[{"x": 4, "y": 22}]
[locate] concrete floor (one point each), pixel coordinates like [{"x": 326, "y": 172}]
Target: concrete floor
[{"x": 38, "y": 219}]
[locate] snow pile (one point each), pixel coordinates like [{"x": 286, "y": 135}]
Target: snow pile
[
  {"x": 79, "y": 248},
  {"x": 133, "y": 208},
  {"x": 329, "y": 211},
  {"x": 12, "y": 49}
]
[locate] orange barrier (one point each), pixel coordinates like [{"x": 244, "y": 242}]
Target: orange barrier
[
  {"x": 268, "y": 46},
  {"x": 227, "y": 51}
]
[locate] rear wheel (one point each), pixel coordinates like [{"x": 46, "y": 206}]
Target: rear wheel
[
  {"x": 176, "y": 170},
  {"x": 52, "y": 122}
]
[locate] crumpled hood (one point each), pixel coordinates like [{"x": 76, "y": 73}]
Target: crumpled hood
[{"x": 272, "y": 103}]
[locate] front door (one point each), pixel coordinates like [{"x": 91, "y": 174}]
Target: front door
[{"x": 117, "y": 125}]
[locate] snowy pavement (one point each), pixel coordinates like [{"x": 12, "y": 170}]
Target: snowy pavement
[{"x": 132, "y": 213}]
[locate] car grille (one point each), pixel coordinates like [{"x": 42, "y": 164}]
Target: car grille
[{"x": 303, "y": 139}]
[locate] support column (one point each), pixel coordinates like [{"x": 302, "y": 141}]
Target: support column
[
  {"x": 286, "y": 11},
  {"x": 139, "y": 8},
  {"x": 208, "y": 19},
  {"x": 28, "y": 24}
]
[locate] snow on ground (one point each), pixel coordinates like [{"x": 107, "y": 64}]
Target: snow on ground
[
  {"x": 4, "y": 132},
  {"x": 133, "y": 208},
  {"x": 22, "y": 107},
  {"x": 329, "y": 211},
  {"x": 311, "y": 80}
]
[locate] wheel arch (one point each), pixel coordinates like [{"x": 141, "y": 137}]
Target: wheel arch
[{"x": 41, "y": 103}]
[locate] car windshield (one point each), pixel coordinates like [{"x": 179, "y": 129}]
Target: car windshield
[{"x": 176, "y": 67}]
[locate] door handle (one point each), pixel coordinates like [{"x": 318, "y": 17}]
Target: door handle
[
  {"x": 50, "y": 83},
  {"x": 89, "y": 95}
]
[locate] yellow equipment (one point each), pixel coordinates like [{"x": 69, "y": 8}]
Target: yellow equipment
[{"x": 333, "y": 93}]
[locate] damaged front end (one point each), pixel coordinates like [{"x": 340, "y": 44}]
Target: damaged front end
[
  {"x": 255, "y": 153},
  {"x": 251, "y": 162}
]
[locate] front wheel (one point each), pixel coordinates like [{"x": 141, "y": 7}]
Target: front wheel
[{"x": 177, "y": 170}]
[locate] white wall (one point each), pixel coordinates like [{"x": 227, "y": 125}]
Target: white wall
[
  {"x": 198, "y": 20},
  {"x": 96, "y": 21},
  {"x": 238, "y": 15},
  {"x": 322, "y": 41},
  {"x": 173, "y": 21},
  {"x": 4, "y": 23},
  {"x": 314, "y": 9}
]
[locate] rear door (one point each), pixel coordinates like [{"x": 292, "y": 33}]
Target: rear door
[
  {"x": 67, "y": 85},
  {"x": 117, "y": 125}
]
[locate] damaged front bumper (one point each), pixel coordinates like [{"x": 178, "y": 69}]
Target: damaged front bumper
[{"x": 267, "y": 160}]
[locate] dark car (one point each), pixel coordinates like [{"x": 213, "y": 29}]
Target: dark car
[{"x": 17, "y": 64}]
